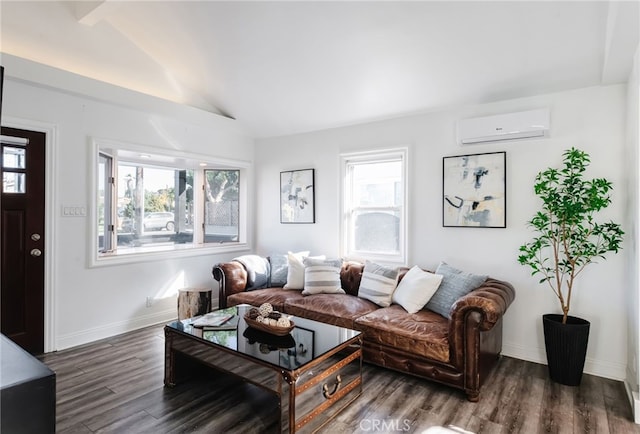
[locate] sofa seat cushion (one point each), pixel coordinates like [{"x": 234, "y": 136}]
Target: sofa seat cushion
[
  {"x": 336, "y": 309},
  {"x": 424, "y": 333},
  {"x": 275, "y": 296}
]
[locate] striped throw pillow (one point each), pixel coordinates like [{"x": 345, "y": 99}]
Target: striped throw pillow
[
  {"x": 322, "y": 276},
  {"x": 378, "y": 283}
]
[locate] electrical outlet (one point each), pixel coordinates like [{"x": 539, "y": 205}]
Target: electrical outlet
[{"x": 149, "y": 301}]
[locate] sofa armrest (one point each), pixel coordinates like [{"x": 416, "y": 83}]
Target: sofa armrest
[
  {"x": 478, "y": 311},
  {"x": 232, "y": 278},
  {"x": 491, "y": 300}
]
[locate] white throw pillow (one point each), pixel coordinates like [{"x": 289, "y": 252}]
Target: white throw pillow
[
  {"x": 295, "y": 270},
  {"x": 322, "y": 276},
  {"x": 416, "y": 289},
  {"x": 378, "y": 283}
]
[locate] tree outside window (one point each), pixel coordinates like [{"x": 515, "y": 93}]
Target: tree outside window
[{"x": 222, "y": 211}]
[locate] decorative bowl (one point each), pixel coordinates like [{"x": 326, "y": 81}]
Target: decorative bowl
[{"x": 274, "y": 330}]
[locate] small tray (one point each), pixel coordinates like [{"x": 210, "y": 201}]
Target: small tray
[{"x": 274, "y": 330}]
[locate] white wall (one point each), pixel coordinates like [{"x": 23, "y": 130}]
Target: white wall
[
  {"x": 632, "y": 242},
  {"x": 592, "y": 119},
  {"x": 92, "y": 303}
]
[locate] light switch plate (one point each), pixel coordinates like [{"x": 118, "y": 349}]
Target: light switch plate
[{"x": 74, "y": 211}]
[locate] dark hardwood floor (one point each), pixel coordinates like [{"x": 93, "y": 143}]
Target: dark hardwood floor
[{"x": 116, "y": 385}]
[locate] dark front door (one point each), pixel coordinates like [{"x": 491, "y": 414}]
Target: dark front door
[{"x": 22, "y": 237}]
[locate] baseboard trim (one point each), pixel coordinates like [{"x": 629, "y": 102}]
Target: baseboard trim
[
  {"x": 113, "y": 329},
  {"x": 634, "y": 400},
  {"x": 600, "y": 368},
  {"x": 530, "y": 354}
]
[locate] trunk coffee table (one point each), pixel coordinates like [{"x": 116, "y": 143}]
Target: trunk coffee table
[{"x": 315, "y": 371}]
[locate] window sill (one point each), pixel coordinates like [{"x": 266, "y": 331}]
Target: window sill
[
  {"x": 159, "y": 253},
  {"x": 390, "y": 260}
]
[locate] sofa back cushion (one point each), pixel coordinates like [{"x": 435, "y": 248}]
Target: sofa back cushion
[
  {"x": 350, "y": 276},
  {"x": 402, "y": 271}
]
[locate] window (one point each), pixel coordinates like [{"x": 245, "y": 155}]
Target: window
[
  {"x": 14, "y": 165},
  {"x": 154, "y": 205},
  {"x": 374, "y": 210},
  {"x": 149, "y": 203}
]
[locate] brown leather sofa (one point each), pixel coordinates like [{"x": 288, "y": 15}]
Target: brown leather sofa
[{"x": 459, "y": 352}]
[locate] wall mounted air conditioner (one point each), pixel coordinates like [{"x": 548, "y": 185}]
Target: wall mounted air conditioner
[{"x": 509, "y": 126}]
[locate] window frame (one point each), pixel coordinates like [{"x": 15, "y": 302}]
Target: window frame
[
  {"x": 107, "y": 179},
  {"x": 196, "y": 162},
  {"x": 346, "y": 229}
]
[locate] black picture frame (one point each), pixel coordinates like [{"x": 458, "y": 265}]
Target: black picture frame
[
  {"x": 1, "y": 90},
  {"x": 297, "y": 196},
  {"x": 474, "y": 190},
  {"x": 303, "y": 351}
]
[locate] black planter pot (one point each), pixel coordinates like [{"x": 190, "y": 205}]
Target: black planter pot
[{"x": 566, "y": 346}]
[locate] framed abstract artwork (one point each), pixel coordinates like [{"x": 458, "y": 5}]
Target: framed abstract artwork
[
  {"x": 474, "y": 190},
  {"x": 297, "y": 200}
]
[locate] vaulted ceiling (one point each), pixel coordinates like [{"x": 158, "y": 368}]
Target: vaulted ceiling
[{"x": 284, "y": 67}]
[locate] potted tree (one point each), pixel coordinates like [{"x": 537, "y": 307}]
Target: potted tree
[{"x": 567, "y": 240}]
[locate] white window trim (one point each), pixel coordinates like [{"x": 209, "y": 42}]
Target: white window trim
[
  {"x": 372, "y": 155},
  {"x": 108, "y": 192},
  {"x": 149, "y": 254}
]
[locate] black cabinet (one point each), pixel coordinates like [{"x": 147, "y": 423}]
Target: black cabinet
[{"x": 27, "y": 392}]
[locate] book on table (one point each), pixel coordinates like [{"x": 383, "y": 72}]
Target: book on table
[{"x": 217, "y": 320}]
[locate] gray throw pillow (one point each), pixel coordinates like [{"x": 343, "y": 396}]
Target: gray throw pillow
[
  {"x": 455, "y": 284},
  {"x": 279, "y": 270}
]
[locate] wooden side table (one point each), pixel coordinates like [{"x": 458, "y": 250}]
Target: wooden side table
[{"x": 193, "y": 302}]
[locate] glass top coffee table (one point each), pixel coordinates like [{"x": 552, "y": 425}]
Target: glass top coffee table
[{"x": 315, "y": 370}]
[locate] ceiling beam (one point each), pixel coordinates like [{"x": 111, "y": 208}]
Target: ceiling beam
[
  {"x": 90, "y": 13},
  {"x": 622, "y": 38}
]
